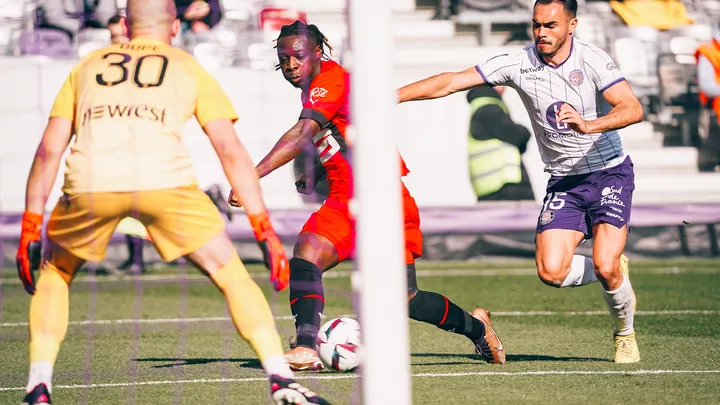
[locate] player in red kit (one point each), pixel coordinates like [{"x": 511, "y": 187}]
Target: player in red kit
[{"x": 328, "y": 236}]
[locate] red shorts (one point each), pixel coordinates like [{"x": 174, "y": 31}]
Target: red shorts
[{"x": 333, "y": 221}]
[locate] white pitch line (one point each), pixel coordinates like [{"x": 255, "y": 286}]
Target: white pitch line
[
  {"x": 152, "y": 321},
  {"x": 289, "y": 317},
  {"x": 602, "y": 313},
  {"x": 337, "y": 274},
  {"x": 353, "y": 376},
  {"x": 130, "y": 321}
]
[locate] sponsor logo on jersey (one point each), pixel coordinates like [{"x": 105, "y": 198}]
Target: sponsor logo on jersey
[
  {"x": 616, "y": 216},
  {"x": 532, "y": 70},
  {"x": 115, "y": 111},
  {"x": 611, "y": 196},
  {"x": 560, "y": 135},
  {"x": 610, "y": 66},
  {"x": 561, "y": 129},
  {"x": 611, "y": 190}
]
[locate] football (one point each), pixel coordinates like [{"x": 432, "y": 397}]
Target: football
[{"x": 338, "y": 344}]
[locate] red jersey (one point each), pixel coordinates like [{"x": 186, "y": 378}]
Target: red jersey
[{"x": 328, "y": 103}]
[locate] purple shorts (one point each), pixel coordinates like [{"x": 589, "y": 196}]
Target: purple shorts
[{"x": 580, "y": 202}]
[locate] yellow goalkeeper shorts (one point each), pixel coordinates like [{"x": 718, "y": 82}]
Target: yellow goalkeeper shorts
[{"x": 179, "y": 221}]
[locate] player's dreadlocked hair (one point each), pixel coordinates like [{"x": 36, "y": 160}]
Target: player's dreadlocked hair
[{"x": 309, "y": 31}]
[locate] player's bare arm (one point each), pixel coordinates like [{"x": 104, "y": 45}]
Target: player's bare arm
[
  {"x": 626, "y": 110},
  {"x": 46, "y": 163},
  {"x": 288, "y": 146},
  {"x": 440, "y": 85},
  {"x": 237, "y": 164},
  {"x": 42, "y": 176},
  {"x": 243, "y": 178}
]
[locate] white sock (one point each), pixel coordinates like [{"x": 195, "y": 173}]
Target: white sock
[
  {"x": 277, "y": 365},
  {"x": 620, "y": 304},
  {"x": 40, "y": 372},
  {"x": 582, "y": 272}
]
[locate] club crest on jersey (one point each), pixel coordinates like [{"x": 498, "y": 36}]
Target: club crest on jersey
[
  {"x": 316, "y": 93},
  {"x": 546, "y": 217},
  {"x": 576, "y": 77}
]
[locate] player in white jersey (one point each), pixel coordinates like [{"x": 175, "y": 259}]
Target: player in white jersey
[{"x": 577, "y": 100}]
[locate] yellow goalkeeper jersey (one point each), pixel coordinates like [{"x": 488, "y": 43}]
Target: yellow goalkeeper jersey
[{"x": 129, "y": 104}]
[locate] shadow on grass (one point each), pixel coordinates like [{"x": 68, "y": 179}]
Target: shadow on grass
[
  {"x": 510, "y": 358},
  {"x": 169, "y": 362},
  {"x": 175, "y": 362}
]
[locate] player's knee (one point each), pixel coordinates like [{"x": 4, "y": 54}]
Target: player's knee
[
  {"x": 607, "y": 268},
  {"x": 232, "y": 275},
  {"x": 53, "y": 279},
  {"x": 315, "y": 249},
  {"x": 552, "y": 271},
  {"x": 213, "y": 255}
]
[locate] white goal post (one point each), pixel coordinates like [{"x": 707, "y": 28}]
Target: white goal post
[{"x": 380, "y": 282}]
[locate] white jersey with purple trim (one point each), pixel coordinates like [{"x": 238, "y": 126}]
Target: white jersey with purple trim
[{"x": 579, "y": 82}]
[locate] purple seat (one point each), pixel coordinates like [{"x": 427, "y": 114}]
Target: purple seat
[{"x": 47, "y": 42}]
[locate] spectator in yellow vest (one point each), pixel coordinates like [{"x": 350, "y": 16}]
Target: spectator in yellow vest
[
  {"x": 495, "y": 148},
  {"x": 708, "y": 60}
]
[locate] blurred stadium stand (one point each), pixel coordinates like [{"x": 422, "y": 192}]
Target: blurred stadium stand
[{"x": 239, "y": 51}]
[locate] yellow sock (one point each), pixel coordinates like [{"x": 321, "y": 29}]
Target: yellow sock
[
  {"x": 251, "y": 315},
  {"x": 48, "y": 324}
]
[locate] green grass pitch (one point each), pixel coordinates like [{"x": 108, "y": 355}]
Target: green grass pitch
[{"x": 558, "y": 342}]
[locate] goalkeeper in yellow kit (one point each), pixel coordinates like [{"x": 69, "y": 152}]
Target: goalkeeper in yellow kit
[{"x": 127, "y": 105}]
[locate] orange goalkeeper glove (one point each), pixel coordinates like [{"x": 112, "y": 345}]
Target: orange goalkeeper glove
[
  {"x": 274, "y": 253},
  {"x": 29, "y": 252}
]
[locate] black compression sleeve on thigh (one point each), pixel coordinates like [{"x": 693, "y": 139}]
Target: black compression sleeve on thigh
[
  {"x": 412, "y": 286},
  {"x": 307, "y": 300},
  {"x": 437, "y": 310}
]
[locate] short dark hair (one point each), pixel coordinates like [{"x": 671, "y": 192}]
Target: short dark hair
[
  {"x": 570, "y": 6},
  {"x": 116, "y": 19}
]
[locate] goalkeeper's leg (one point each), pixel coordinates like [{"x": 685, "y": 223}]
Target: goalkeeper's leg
[
  {"x": 49, "y": 319},
  {"x": 182, "y": 222},
  {"x": 248, "y": 307}
]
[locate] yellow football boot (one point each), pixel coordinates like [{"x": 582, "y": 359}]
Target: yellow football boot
[{"x": 626, "y": 349}]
